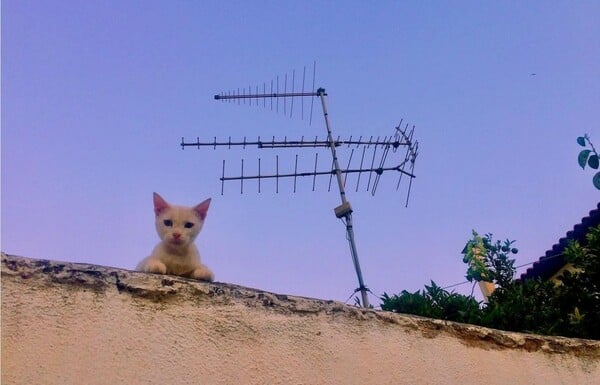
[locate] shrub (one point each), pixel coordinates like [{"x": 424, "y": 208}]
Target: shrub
[{"x": 571, "y": 308}]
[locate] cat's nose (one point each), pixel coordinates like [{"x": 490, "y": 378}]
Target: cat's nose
[{"x": 176, "y": 235}]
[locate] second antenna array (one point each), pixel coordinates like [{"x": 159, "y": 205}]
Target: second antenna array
[{"x": 370, "y": 162}]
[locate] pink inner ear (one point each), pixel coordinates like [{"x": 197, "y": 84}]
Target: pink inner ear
[
  {"x": 159, "y": 204},
  {"x": 202, "y": 209}
]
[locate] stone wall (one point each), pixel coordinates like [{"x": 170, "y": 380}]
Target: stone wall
[{"x": 66, "y": 323}]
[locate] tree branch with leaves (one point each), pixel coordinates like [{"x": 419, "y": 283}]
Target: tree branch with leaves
[
  {"x": 488, "y": 260},
  {"x": 589, "y": 157}
]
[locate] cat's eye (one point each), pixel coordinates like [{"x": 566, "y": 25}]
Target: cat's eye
[
  {"x": 188, "y": 225},
  {"x": 168, "y": 222}
]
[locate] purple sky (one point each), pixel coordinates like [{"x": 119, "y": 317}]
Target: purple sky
[{"x": 96, "y": 96}]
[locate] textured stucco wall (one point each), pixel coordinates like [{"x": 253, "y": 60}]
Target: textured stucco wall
[{"x": 84, "y": 324}]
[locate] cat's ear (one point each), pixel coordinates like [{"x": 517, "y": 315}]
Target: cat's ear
[
  {"x": 202, "y": 209},
  {"x": 159, "y": 204}
]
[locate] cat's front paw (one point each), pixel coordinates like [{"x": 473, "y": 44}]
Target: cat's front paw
[
  {"x": 156, "y": 267},
  {"x": 202, "y": 273}
]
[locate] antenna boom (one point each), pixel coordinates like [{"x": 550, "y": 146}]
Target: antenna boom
[{"x": 261, "y": 96}]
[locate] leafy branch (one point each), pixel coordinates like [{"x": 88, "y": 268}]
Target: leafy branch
[
  {"x": 488, "y": 260},
  {"x": 589, "y": 157}
]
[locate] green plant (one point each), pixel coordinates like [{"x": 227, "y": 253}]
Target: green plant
[
  {"x": 526, "y": 306},
  {"x": 488, "y": 260},
  {"x": 571, "y": 308},
  {"x": 589, "y": 157},
  {"x": 579, "y": 294},
  {"x": 434, "y": 302}
]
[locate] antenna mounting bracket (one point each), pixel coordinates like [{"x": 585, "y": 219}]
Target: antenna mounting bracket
[{"x": 343, "y": 210}]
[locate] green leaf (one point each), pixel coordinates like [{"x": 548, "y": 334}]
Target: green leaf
[
  {"x": 581, "y": 141},
  {"x": 596, "y": 180},
  {"x": 593, "y": 162},
  {"x": 583, "y": 157}
]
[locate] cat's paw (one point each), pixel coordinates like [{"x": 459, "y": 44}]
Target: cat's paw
[
  {"x": 156, "y": 267},
  {"x": 202, "y": 273}
]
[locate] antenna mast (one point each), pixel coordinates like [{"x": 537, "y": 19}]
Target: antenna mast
[
  {"x": 402, "y": 137},
  {"x": 345, "y": 209}
]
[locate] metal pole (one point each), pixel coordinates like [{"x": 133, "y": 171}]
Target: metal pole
[{"x": 344, "y": 210}]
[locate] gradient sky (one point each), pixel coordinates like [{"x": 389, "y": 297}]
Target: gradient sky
[{"x": 96, "y": 96}]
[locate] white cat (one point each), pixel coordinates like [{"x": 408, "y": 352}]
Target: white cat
[{"x": 177, "y": 227}]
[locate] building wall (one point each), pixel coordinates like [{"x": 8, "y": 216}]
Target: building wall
[{"x": 83, "y": 324}]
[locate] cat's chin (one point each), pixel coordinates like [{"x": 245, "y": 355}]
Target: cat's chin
[{"x": 176, "y": 245}]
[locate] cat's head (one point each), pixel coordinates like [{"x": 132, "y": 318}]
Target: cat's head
[{"x": 178, "y": 226}]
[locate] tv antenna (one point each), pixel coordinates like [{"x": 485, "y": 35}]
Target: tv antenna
[{"x": 278, "y": 97}]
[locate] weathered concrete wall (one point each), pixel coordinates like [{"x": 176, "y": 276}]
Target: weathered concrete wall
[{"x": 84, "y": 324}]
